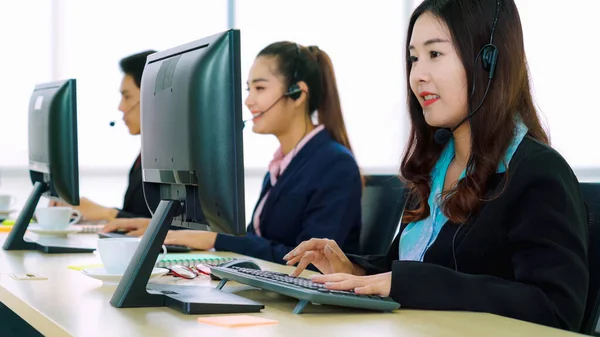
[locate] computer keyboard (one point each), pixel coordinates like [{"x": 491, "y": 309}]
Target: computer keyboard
[{"x": 303, "y": 289}]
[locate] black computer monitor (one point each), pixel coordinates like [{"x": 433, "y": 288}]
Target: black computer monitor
[
  {"x": 53, "y": 162},
  {"x": 192, "y": 132},
  {"x": 192, "y": 162}
]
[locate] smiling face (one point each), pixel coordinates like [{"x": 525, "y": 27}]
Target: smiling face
[
  {"x": 437, "y": 76},
  {"x": 265, "y": 90}
]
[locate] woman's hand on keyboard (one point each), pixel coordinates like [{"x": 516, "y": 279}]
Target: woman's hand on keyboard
[
  {"x": 133, "y": 226},
  {"x": 379, "y": 284},
  {"x": 324, "y": 254},
  {"x": 195, "y": 239}
]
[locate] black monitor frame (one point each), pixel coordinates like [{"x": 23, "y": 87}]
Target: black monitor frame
[
  {"x": 53, "y": 160},
  {"x": 192, "y": 163}
]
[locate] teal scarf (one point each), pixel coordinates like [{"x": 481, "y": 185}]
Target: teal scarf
[{"x": 418, "y": 236}]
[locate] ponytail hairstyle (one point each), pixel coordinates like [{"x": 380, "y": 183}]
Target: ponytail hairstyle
[{"x": 312, "y": 66}]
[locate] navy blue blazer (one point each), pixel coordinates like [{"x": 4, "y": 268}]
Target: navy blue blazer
[{"x": 317, "y": 196}]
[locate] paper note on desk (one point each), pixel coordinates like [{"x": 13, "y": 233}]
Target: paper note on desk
[
  {"x": 11, "y": 222},
  {"x": 236, "y": 321},
  {"x": 82, "y": 267}
]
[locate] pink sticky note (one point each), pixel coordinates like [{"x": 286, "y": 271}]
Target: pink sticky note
[{"x": 236, "y": 321}]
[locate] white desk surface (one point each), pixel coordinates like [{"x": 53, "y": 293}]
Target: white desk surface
[{"x": 72, "y": 304}]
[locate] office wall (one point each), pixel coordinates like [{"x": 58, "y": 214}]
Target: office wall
[
  {"x": 86, "y": 42},
  {"x": 560, "y": 45},
  {"x": 49, "y": 40},
  {"x": 26, "y": 37}
]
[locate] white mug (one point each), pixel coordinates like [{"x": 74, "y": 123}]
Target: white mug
[
  {"x": 56, "y": 217},
  {"x": 6, "y": 202},
  {"x": 116, "y": 253}
]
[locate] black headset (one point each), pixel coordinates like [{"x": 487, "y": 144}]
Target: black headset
[
  {"x": 294, "y": 90},
  {"x": 489, "y": 56},
  {"x": 489, "y": 59}
]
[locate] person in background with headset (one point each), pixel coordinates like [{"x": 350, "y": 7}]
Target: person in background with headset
[
  {"x": 313, "y": 187},
  {"x": 495, "y": 220},
  {"x": 134, "y": 204}
]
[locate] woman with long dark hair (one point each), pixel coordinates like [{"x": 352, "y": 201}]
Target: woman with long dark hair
[{"x": 495, "y": 220}]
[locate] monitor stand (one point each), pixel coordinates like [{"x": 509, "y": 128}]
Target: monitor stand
[
  {"x": 16, "y": 238},
  {"x": 134, "y": 291}
]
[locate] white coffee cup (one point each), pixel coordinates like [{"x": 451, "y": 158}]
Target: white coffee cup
[
  {"x": 6, "y": 202},
  {"x": 116, "y": 253},
  {"x": 56, "y": 217}
]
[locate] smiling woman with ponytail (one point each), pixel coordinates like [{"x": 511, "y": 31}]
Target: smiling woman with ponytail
[{"x": 313, "y": 185}]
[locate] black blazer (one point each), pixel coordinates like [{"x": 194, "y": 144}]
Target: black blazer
[
  {"x": 318, "y": 195},
  {"x": 134, "y": 204},
  {"x": 523, "y": 255}
]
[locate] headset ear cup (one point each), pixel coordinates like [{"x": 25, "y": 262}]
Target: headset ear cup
[
  {"x": 489, "y": 58},
  {"x": 294, "y": 92},
  {"x": 486, "y": 58}
]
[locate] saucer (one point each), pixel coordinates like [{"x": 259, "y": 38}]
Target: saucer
[
  {"x": 35, "y": 228},
  {"x": 7, "y": 212},
  {"x": 113, "y": 279}
]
